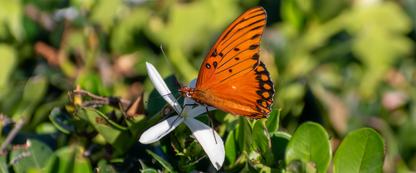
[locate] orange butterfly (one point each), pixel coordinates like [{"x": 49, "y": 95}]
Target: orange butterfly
[{"x": 232, "y": 78}]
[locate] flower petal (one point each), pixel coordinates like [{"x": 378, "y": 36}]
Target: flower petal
[
  {"x": 192, "y": 83},
  {"x": 161, "y": 87},
  {"x": 198, "y": 111},
  {"x": 160, "y": 130},
  {"x": 203, "y": 134}
]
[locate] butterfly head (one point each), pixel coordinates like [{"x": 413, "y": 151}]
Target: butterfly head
[{"x": 187, "y": 92}]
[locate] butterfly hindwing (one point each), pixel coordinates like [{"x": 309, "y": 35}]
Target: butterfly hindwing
[
  {"x": 236, "y": 52},
  {"x": 251, "y": 97}
]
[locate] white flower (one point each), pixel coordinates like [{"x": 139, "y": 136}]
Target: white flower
[{"x": 202, "y": 132}]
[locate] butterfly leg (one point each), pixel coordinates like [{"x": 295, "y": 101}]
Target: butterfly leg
[{"x": 212, "y": 125}]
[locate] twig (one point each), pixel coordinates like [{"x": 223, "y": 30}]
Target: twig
[{"x": 12, "y": 134}]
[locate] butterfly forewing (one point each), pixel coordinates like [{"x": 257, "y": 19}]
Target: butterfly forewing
[{"x": 236, "y": 52}]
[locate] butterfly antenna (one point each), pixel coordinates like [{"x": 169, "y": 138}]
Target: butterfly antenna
[{"x": 161, "y": 48}]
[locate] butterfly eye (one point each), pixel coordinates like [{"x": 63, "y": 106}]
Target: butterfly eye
[{"x": 208, "y": 66}]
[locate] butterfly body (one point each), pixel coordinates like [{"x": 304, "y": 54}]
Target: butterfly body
[{"x": 232, "y": 78}]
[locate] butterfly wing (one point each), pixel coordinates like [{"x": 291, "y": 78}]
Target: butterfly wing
[
  {"x": 232, "y": 78},
  {"x": 236, "y": 52},
  {"x": 250, "y": 96}
]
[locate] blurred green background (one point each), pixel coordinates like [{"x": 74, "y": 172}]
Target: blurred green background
[{"x": 344, "y": 64}]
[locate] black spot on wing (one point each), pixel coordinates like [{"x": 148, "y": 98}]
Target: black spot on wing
[
  {"x": 255, "y": 36},
  {"x": 255, "y": 56},
  {"x": 254, "y": 46},
  {"x": 256, "y": 28},
  {"x": 214, "y": 54}
]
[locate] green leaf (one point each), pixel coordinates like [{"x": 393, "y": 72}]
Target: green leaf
[
  {"x": 3, "y": 164},
  {"x": 297, "y": 166},
  {"x": 119, "y": 137},
  {"x": 260, "y": 136},
  {"x": 7, "y": 63},
  {"x": 104, "y": 13},
  {"x": 33, "y": 94},
  {"x": 67, "y": 160},
  {"x": 279, "y": 142},
  {"x": 105, "y": 167},
  {"x": 272, "y": 122},
  {"x": 261, "y": 141},
  {"x": 92, "y": 83},
  {"x": 46, "y": 128},
  {"x": 136, "y": 125},
  {"x": 146, "y": 168},
  {"x": 310, "y": 143},
  {"x": 149, "y": 170},
  {"x": 60, "y": 120},
  {"x": 121, "y": 40},
  {"x": 11, "y": 15},
  {"x": 33, "y": 155},
  {"x": 231, "y": 148},
  {"x": 44, "y": 110},
  {"x": 291, "y": 14},
  {"x": 360, "y": 151},
  {"x": 254, "y": 166},
  {"x": 164, "y": 163},
  {"x": 244, "y": 134}
]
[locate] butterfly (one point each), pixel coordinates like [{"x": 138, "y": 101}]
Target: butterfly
[{"x": 232, "y": 78}]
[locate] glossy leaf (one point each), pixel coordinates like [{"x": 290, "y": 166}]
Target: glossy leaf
[
  {"x": 279, "y": 142},
  {"x": 231, "y": 147},
  {"x": 299, "y": 166},
  {"x": 260, "y": 136},
  {"x": 60, "y": 120},
  {"x": 261, "y": 141},
  {"x": 360, "y": 151},
  {"x": 310, "y": 143},
  {"x": 272, "y": 122},
  {"x": 32, "y": 155},
  {"x": 244, "y": 134}
]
